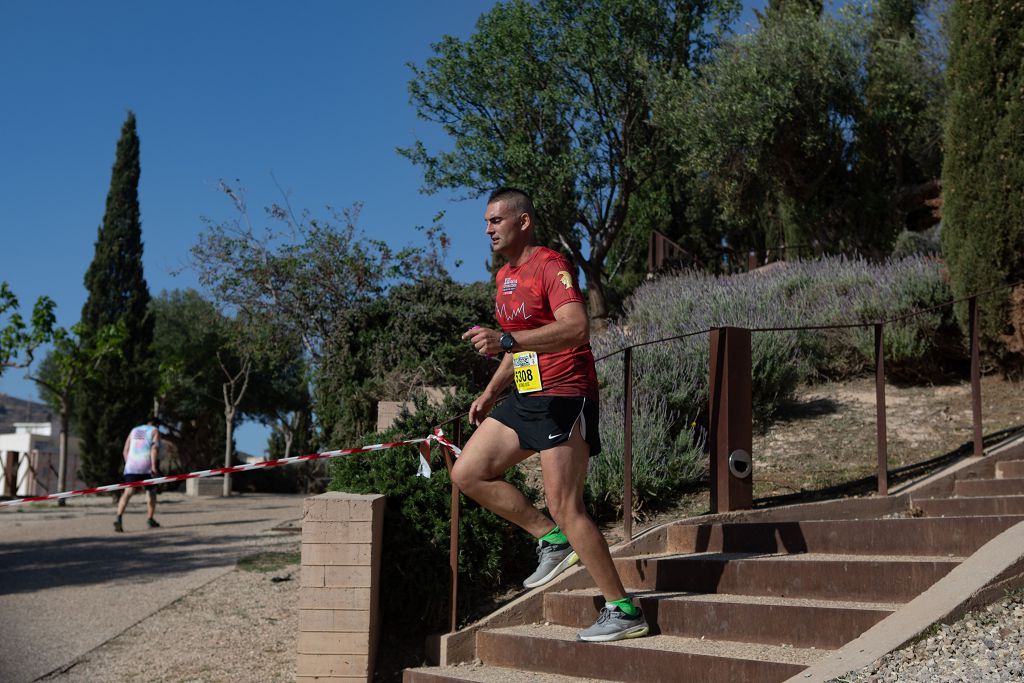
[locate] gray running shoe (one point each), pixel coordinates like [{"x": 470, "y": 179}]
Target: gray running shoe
[
  {"x": 614, "y": 624},
  {"x": 553, "y": 559}
]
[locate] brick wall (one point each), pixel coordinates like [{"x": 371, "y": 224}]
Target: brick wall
[{"x": 341, "y": 550}]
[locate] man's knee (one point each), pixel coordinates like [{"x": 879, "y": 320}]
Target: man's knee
[
  {"x": 466, "y": 475},
  {"x": 565, "y": 509}
]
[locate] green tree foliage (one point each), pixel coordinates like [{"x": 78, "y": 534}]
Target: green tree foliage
[
  {"x": 390, "y": 347},
  {"x": 68, "y": 363},
  {"x": 316, "y": 279},
  {"x": 306, "y": 273},
  {"x": 121, "y": 393},
  {"x": 767, "y": 127},
  {"x": 18, "y": 339},
  {"x": 185, "y": 344},
  {"x": 555, "y": 97},
  {"x": 814, "y": 129},
  {"x": 197, "y": 354},
  {"x": 983, "y": 169},
  {"x": 899, "y": 127}
]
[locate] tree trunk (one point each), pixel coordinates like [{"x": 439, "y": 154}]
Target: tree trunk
[
  {"x": 62, "y": 458},
  {"x": 229, "y": 435},
  {"x": 597, "y": 305}
]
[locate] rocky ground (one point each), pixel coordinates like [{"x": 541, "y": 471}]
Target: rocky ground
[
  {"x": 243, "y": 626},
  {"x": 985, "y": 646}
]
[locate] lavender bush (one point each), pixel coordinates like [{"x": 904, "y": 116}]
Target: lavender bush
[{"x": 670, "y": 379}]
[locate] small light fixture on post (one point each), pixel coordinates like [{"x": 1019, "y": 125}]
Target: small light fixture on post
[{"x": 731, "y": 424}]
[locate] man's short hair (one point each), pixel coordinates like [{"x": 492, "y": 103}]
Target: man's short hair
[
  {"x": 518, "y": 200},
  {"x": 154, "y": 421}
]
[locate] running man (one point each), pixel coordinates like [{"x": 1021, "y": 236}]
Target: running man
[
  {"x": 141, "y": 450},
  {"x": 545, "y": 347}
]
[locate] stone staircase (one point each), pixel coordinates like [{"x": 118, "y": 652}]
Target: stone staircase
[{"x": 752, "y": 596}]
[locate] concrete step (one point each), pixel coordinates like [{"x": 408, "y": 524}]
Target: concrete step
[
  {"x": 902, "y": 536},
  {"x": 654, "y": 659},
  {"x": 960, "y": 507},
  {"x": 976, "y": 488},
  {"x": 789, "y": 622},
  {"x": 830, "y": 577},
  {"x": 1010, "y": 469},
  {"x": 479, "y": 673}
]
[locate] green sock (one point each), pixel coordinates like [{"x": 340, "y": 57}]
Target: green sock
[
  {"x": 626, "y": 605},
  {"x": 555, "y": 537}
]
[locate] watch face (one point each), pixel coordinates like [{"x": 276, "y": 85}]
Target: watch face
[{"x": 507, "y": 342}]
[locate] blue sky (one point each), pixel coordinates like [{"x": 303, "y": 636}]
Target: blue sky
[{"x": 313, "y": 93}]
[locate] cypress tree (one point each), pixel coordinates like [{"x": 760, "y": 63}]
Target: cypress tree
[
  {"x": 121, "y": 396},
  {"x": 983, "y": 167}
]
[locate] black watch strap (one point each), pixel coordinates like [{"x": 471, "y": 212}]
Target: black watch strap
[{"x": 507, "y": 342}]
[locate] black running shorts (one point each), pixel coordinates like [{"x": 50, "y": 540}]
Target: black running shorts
[
  {"x": 545, "y": 421},
  {"x": 132, "y": 478}
]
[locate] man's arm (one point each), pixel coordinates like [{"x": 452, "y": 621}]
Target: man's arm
[
  {"x": 570, "y": 328},
  {"x": 127, "y": 442}
]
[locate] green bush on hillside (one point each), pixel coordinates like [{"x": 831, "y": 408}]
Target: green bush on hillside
[{"x": 670, "y": 379}]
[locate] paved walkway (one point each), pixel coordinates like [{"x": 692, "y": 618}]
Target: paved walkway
[{"x": 68, "y": 583}]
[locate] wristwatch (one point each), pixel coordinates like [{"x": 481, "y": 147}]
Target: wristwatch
[{"x": 507, "y": 342}]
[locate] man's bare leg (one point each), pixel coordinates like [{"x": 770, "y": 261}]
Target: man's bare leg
[
  {"x": 565, "y": 472},
  {"x": 479, "y": 471},
  {"x": 123, "y": 503}
]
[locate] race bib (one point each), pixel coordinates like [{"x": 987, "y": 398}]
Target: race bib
[{"x": 526, "y": 371}]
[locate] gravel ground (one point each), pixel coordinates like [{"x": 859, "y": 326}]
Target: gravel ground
[
  {"x": 986, "y": 645},
  {"x": 239, "y": 627}
]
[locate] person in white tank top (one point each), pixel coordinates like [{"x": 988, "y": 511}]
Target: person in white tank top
[{"x": 141, "y": 452}]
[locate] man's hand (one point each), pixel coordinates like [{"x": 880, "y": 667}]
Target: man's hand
[
  {"x": 480, "y": 408},
  {"x": 486, "y": 341}
]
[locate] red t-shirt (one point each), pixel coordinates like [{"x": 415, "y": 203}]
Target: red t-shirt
[{"x": 528, "y": 296}]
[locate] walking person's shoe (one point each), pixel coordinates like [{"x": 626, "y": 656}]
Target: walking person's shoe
[
  {"x": 615, "y": 624},
  {"x": 117, "y": 527},
  {"x": 152, "y": 523},
  {"x": 553, "y": 559}
]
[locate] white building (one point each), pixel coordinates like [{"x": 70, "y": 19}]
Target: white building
[{"x": 29, "y": 458}]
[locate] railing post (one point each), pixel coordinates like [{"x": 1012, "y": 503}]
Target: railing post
[
  {"x": 751, "y": 260},
  {"x": 883, "y": 456},
  {"x": 972, "y": 315},
  {"x": 453, "y": 547},
  {"x": 627, "y": 447},
  {"x": 730, "y": 419}
]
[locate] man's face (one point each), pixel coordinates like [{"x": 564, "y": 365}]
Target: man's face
[{"x": 504, "y": 226}]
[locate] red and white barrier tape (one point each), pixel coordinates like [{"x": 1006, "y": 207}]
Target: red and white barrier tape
[{"x": 438, "y": 436}]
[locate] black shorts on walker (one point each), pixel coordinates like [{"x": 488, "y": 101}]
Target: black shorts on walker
[
  {"x": 132, "y": 478},
  {"x": 546, "y": 421}
]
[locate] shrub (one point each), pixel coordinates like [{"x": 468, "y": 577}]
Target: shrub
[
  {"x": 670, "y": 379},
  {"x": 925, "y": 243}
]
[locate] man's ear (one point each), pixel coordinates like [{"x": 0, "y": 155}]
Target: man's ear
[{"x": 526, "y": 222}]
